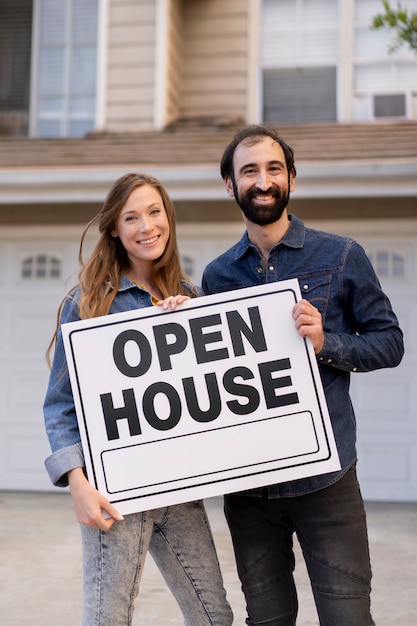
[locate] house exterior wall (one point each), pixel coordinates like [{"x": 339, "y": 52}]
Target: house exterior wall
[
  {"x": 130, "y": 65},
  {"x": 171, "y": 81},
  {"x": 215, "y": 61},
  {"x": 188, "y": 58}
]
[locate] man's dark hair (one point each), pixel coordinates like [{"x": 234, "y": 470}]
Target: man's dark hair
[{"x": 251, "y": 135}]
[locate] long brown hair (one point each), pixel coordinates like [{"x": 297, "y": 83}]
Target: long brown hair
[{"x": 99, "y": 276}]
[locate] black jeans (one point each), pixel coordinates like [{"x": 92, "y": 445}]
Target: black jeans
[{"x": 331, "y": 527}]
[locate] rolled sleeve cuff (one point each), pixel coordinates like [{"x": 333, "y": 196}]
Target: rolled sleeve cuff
[
  {"x": 62, "y": 461},
  {"x": 331, "y": 351}
]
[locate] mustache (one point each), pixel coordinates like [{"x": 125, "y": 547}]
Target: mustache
[{"x": 272, "y": 191}]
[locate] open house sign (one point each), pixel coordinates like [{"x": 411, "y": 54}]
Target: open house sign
[{"x": 218, "y": 396}]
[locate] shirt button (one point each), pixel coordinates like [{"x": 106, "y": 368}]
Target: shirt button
[
  {"x": 260, "y": 270},
  {"x": 305, "y": 287},
  {"x": 271, "y": 268},
  {"x": 329, "y": 360},
  {"x": 355, "y": 369}
]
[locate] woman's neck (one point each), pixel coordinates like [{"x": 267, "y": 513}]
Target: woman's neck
[{"x": 144, "y": 281}]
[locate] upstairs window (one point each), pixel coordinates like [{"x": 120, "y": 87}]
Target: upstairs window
[
  {"x": 299, "y": 53},
  {"x": 384, "y": 84},
  {"x": 64, "y": 67}
]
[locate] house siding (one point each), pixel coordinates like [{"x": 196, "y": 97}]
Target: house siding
[
  {"x": 131, "y": 65},
  {"x": 205, "y": 72},
  {"x": 174, "y": 58},
  {"x": 215, "y": 59}
]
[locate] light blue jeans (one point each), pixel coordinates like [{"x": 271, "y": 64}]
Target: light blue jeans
[{"x": 180, "y": 541}]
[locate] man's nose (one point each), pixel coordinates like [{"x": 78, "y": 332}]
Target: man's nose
[{"x": 263, "y": 181}]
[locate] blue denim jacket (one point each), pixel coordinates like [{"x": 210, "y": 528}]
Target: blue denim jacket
[
  {"x": 361, "y": 332},
  {"x": 59, "y": 410}
]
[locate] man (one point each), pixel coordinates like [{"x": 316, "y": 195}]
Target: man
[{"x": 352, "y": 327}]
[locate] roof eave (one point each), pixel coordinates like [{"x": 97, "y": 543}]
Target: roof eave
[{"x": 314, "y": 180}]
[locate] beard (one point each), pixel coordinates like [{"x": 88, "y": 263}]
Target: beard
[{"x": 259, "y": 214}]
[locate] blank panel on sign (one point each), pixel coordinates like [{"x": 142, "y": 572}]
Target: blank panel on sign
[{"x": 196, "y": 461}]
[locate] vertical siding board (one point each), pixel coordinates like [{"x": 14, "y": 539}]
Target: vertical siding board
[
  {"x": 174, "y": 61},
  {"x": 130, "y": 65},
  {"x": 215, "y": 45}
]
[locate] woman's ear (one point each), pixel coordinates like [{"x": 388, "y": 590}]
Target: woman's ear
[{"x": 114, "y": 232}]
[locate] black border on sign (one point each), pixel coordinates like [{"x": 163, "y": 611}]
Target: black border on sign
[{"x": 204, "y": 304}]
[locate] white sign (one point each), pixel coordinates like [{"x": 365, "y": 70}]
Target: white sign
[{"x": 218, "y": 396}]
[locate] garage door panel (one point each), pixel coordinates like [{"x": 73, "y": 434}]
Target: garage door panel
[
  {"x": 32, "y": 324},
  {"x": 383, "y": 397},
  {"x": 387, "y": 472},
  {"x": 23, "y": 460},
  {"x": 25, "y": 390}
]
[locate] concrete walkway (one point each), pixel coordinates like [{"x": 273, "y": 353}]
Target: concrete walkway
[{"x": 40, "y": 566}]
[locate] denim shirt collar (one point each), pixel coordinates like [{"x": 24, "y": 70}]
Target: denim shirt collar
[
  {"x": 126, "y": 283},
  {"x": 293, "y": 238}
]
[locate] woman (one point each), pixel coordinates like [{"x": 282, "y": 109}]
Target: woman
[{"x": 134, "y": 264}]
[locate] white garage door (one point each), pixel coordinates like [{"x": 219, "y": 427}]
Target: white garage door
[
  {"x": 34, "y": 266},
  {"x": 386, "y": 401}
]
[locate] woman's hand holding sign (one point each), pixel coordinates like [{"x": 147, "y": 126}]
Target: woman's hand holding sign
[
  {"x": 91, "y": 507},
  {"x": 172, "y": 302}
]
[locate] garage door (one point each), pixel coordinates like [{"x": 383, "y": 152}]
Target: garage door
[
  {"x": 34, "y": 267},
  {"x": 385, "y": 401}
]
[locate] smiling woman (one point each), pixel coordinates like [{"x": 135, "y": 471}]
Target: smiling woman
[{"x": 137, "y": 244}]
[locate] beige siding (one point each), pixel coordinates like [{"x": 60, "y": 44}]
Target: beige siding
[
  {"x": 174, "y": 61},
  {"x": 204, "y": 72},
  {"x": 215, "y": 62},
  {"x": 130, "y": 65}
]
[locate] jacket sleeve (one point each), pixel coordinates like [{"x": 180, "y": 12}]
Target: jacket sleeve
[
  {"x": 372, "y": 338},
  {"x": 59, "y": 410}
]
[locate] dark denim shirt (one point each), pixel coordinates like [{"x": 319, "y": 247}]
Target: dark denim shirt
[
  {"x": 361, "y": 331},
  {"x": 59, "y": 409}
]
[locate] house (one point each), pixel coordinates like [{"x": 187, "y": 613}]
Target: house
[{"x": 92, "y": 89}]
